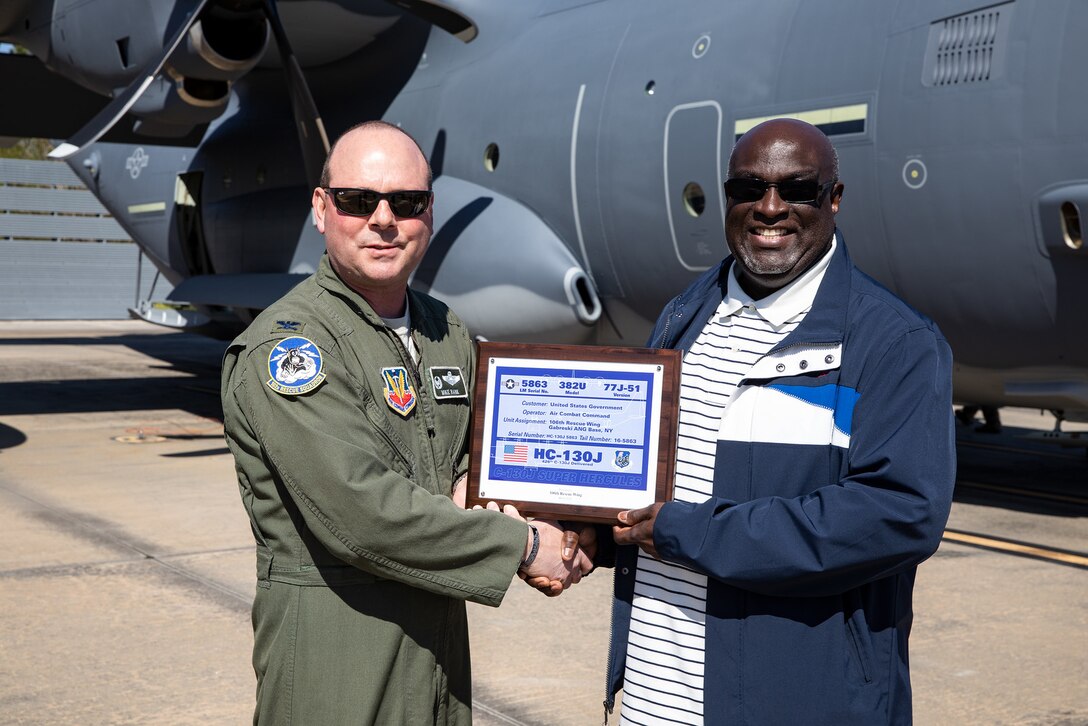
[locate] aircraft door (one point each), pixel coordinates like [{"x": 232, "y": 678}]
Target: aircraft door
[
  {"x": 693, "y": 183},
  {"x": 190, "y": 223}
]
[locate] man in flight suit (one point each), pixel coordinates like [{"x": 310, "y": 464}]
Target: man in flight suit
[{"x": 346, "y": 406}]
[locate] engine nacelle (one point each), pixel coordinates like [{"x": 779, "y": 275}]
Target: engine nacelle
[
  {"x": 194, "y": 86},
  {"x": 226, "y": 42},
  {"x": 173, "y": 104},
  {"x": 222, "y": 46}
]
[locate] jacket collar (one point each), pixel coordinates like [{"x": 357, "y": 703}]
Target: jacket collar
[
  {"x": 329, "y": 280},
  {"x": 823, "y": 324},
  {"x": 783, "y": 304},
  {"x": 826, "y": 320}
]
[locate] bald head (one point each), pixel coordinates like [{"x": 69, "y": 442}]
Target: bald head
[
  {"x": 775, "y": 238},
  {"x": 375, "y": 131},
  {"x": 790, "y": 131},
  {"x": 375, "y": 251}
]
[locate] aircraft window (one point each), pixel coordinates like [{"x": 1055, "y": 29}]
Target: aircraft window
[
  {"x": 650, "y": 88},
  {"x": 491, "y": 157},
  {"x": 1071, "y": 226},
  {"x": 694, "y": 199}
]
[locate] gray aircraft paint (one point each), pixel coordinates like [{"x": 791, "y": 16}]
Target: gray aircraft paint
[{"x": 959, "y": 126}]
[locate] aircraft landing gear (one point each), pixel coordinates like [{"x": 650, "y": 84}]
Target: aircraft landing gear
[{"x": 1065, "y": 439}]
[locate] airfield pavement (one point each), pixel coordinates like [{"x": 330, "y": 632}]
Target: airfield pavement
[{"x": 126, "y": 561}]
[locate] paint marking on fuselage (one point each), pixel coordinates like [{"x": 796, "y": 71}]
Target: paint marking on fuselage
[
  {"x": 147, "y": 208},
  {"x": 833, "y": 121}
]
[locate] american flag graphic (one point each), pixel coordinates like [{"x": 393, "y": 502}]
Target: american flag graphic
[{"x": 516, "y": 453}]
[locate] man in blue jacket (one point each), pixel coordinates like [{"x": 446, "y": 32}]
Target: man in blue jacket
[{"x": 815, "y": 467}]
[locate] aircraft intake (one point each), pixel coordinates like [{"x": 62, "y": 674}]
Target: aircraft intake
[
  {"x": 503, "y": 270},
  {"x": 222, "y": 47},
  {"x": 194, "y": 86}
]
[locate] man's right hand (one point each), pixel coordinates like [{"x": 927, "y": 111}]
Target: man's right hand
[
  {"x": 578, "y": 541},
  {"x": 558, "y": 563},
  {"x": 550, "y": 562}
]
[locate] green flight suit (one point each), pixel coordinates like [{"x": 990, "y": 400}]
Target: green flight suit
[{"x": 363, "y": 560}]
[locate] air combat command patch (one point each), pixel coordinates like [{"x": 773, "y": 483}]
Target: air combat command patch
[
  {"x": 398, "y": 390},
  {"x": 448, "y": 382},
  {"x": 295, "y": 366}
]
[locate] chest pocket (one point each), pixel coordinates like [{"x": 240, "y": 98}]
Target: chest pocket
[
  {"x": 399, "y": 455},
  {"x": 806, "y": 415},
  {"x": 792, "y": 406}
]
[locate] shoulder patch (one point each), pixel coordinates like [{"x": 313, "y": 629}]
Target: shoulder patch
[
  {"x": 287, "y": 326},
  {"x": 448, "y": 382},
  {"x": 295, "y": 366}
]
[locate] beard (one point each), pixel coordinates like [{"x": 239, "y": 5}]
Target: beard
[{"x": 769, "y": 264}]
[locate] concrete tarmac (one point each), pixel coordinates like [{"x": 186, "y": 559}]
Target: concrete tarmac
[{"x": 126, "y": 561}]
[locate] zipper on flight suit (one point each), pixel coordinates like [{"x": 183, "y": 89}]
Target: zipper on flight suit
[
  {"x": 413, "y": 371},
  {"x": 415, "y": 379}
]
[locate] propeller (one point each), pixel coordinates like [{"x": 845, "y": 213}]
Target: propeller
[
  {"x": 311, "y": 131},
  {"x": 313, "y": 140},
  {"x": 105, "y": 119}
]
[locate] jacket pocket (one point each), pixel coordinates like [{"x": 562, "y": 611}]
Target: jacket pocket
[{"x": 859, "y": 640}]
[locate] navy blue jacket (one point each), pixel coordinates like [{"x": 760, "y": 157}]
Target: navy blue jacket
[{"x": 833, "y": 479}]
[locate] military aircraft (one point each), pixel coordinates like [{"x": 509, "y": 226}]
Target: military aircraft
[{"x": 579, "y": 148}]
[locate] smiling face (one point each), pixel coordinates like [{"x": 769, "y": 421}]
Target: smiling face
[
  {"x": 775, "y": 241},
  {"x": 376, "y": 254}
]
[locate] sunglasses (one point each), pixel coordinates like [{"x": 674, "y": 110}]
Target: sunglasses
[
  {"x": 794, "y": 191},
  {"x": 363, "y": 202}
]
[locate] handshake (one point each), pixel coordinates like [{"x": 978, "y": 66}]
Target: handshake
[{"x": 557, "y": 557}]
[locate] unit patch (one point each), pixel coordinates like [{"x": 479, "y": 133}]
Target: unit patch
[
  {"x": 448, "y": 382},
  {"x": 295, "y": 366},
  {"x": 398, "y": 390}
]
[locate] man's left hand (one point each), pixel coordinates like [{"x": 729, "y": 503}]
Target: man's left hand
[{"x": 639, "y": 529}]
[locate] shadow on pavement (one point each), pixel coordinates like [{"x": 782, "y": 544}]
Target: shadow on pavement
[
  {"x": 1014, "y": 470},
  {"x": 197, "y": 454},
  {"x": 10, "y": 437},
  {"x": 196, "y": 391}
]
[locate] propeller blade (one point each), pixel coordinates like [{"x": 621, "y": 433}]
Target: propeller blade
[
  {"x": 311, "y": 130},
  {"x": 105, "y": 119}
]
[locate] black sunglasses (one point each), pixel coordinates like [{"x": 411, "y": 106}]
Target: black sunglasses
[
  {"x": 363, "y": 202},
  {"x": 794, "y": 191}
]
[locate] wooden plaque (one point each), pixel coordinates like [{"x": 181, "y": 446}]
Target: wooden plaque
[{"x": 574, "y": 432}]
